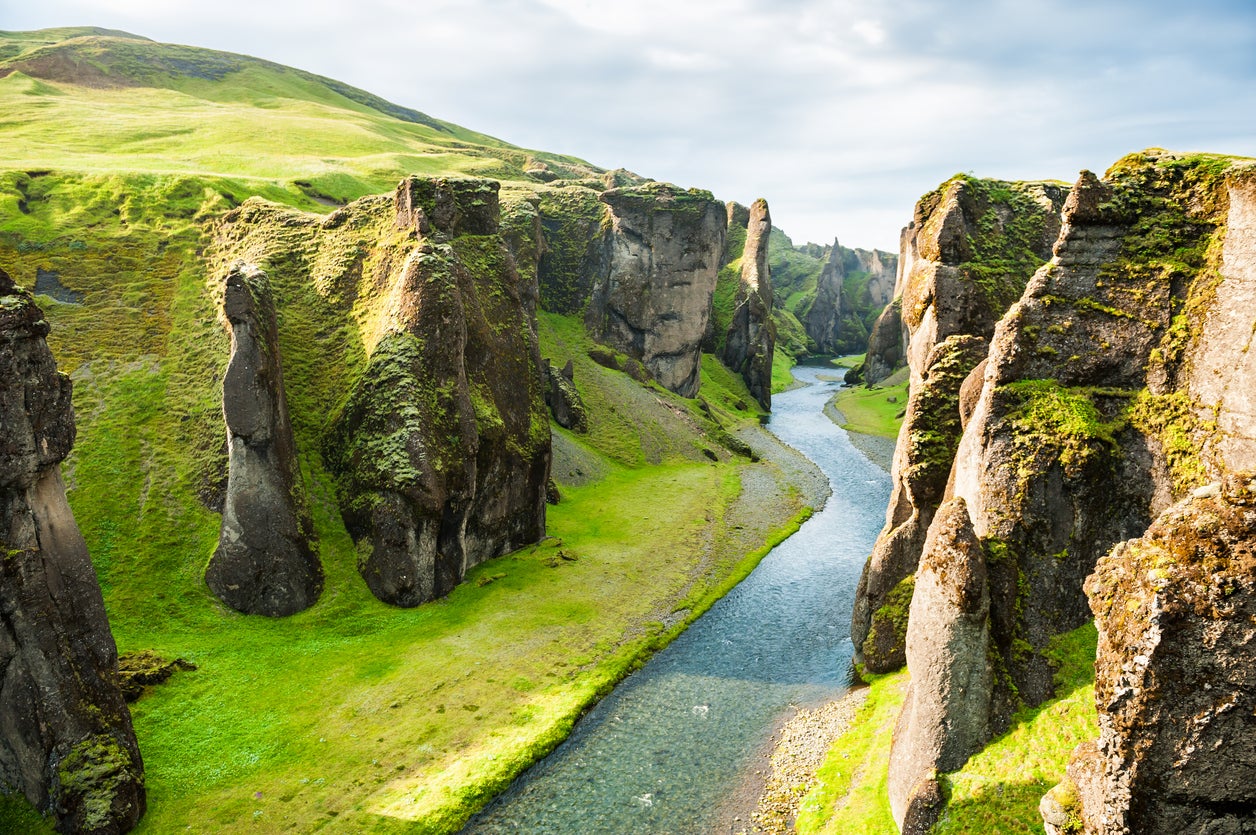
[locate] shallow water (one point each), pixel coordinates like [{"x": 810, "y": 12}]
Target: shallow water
[{"x": 662, "y": 752}]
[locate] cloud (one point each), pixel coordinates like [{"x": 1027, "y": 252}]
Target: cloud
[{"x": 840, "y": 112}]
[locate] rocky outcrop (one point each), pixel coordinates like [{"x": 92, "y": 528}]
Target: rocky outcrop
[
  {"x": 659, "y": 260},
  {"x": 66, "y": 741},
  {"x": 266, "y": 562},
  {"x": 562, "y": 398},
  {"x": 1174, "y": 682},
  {"x": 1086, "y": 425},
  {"x": 853, "y": 285},
  {"x": 421, "y": 379},
  {"x": 946, "y": 715},
  {"x": 1174, "y": 608},
  {"x": 442, "y": 449},
  {"x": 971, "y": 245},
  {"x": 751, "y": 338},
  {"x": 886, "y": 349}
]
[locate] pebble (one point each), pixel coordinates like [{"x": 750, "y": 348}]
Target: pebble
[{"x": 803, "y": 744}]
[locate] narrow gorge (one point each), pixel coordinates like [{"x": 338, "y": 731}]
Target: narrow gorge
[{"x": 365, "y": 473}]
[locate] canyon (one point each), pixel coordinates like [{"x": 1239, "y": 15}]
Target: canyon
[{"x": 425, "y": 463}]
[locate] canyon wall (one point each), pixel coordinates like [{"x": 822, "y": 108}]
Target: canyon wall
[
  {"x": 751, "y": 339},
  {"x": 66, "y": 741},
  {"x": 659, "y": 259},
  {"x": 425, "y": 364},
  {"x": 1087, "y": 419},
  {"x": 968, "y": 253}
]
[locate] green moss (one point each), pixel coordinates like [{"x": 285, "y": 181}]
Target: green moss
[
  {"x": 1052, "y": 421},
  {"x": 570, "y": 219},
  {"x": 890, "y": 620},
  {"x": 1184, "y": 437},
  {"x": 90, "y": 776}
]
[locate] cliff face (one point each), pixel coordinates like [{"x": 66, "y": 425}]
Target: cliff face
[
  {"x": 853, "y": 284},
  {"x": 659, "y": 260},
  {"x": 66, "y": 741},
  {"x": 439, "y": 444},
  {"x": 1087, "y": 424},
  {"x": 266, "y": 562},
  {"x": 971, "y": 246},
  {"x": 751, "y": 339}
]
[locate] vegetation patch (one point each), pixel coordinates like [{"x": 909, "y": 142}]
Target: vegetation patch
[
  {"x": 873, "y": 411},
  {"x": 851, "y": 793}
]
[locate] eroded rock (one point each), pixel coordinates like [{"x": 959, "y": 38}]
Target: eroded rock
[
  {"x": 751, "y": 339},
  {"x": 563, "y": 398},
  {"x": 66, "y": 741},
  {"x": 946, "y": 715},
  {"x": 266, "y": 562},
  {"x": 1174, "y": 682},
  {"x": 659, "y": 261}
]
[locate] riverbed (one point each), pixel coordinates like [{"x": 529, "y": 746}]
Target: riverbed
[{"x": 664, "y": 751}]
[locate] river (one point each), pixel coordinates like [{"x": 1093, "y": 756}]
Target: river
[{"x": 662, "y": 753}]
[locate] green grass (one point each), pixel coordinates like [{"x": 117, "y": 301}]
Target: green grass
[
  {"x": 873, "y": 411},
  {"x": 998, "y": 790},
  {"x": 850, "y": 793},
  {"x": 782, "y": 376}
]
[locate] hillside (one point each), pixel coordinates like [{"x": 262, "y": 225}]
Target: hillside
[{"x": 134, "y": 175}]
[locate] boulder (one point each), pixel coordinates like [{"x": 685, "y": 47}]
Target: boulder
[
  {"x": 66, "y": 741},
  {"x": 562, "y": 398}
]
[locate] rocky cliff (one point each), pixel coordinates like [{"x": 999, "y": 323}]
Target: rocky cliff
[
  {"x": 751, "y": 339},
  {"x": 1087, "y": 424},
  {"x": 967, "y": 254},
  {"x": 854, "y": 286},
  {"x": 266, "y": 562},
  {"x": 658, "y": 263},
  {"x": 438, "y": 437},
  {"x": 66, "y": 741}
]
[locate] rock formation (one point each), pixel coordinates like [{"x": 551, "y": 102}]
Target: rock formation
[
  {"x": 971, "y": 245},
  {"x": 853, "y": 284},
  {"x": 946, "y": 715},
  {"x": 1091, "y": 418},
  {"x": 659, "y": 260},
  {"x": 1174, "y": 680},
  {"x": 266, "y": 562},
  {"x": 751, "y": 339},
  {"x": 562, "y": 398},
  {"x": 66, "y": 741},
  {"x": 426, "y": 359}
]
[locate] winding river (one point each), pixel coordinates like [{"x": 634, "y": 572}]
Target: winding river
[{"x": 663, "y": 752}]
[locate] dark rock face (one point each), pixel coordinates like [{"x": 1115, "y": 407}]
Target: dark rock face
[
  {"x": 563, "y": 399},
  {"x": 442, "y": 451},
  {"x": 657, "y": 270},
  {"x": 1174, "y": 680},
  {"x": 751, "y": 339},
  {"x": 266, "y": 562},
  {"x": 946, "y": 716},
  {"x": 66, "y": 741}
]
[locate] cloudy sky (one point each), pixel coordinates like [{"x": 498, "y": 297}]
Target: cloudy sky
[{"x": 839, "y": 112}]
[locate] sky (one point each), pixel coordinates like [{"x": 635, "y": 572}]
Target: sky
[{"x": 840, "y": 112}]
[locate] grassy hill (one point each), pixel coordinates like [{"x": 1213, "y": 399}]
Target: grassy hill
[{"x": 117, "y": 157}]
